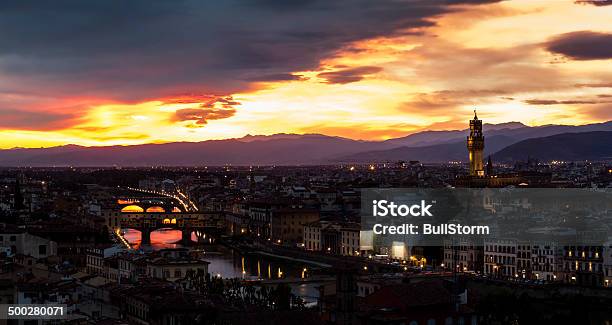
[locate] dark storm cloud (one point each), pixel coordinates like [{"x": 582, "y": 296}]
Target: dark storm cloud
[
  {"x": 348, "y": 75},
  {"x": 583, "y": 45},
  {"x": 459, "y": 2},
  {"x": 135, "y": 50},
  {"x": 274, "y": 77}
]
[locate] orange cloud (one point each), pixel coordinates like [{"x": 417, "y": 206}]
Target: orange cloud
[
  {"x": 201, "y": 116},
  {"x": 344, "y": 76}
]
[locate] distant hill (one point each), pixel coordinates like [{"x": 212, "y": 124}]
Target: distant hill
[
  {"x": 444, "y": 146},
  {"x": 282, "y": 150},
  {"x": 289, "y": 149},
  {"x": 251, "y": 138},
  {"x": 454, "y": 151},
  {"x": 566, "y": 146},
  {"x": 512, "y": 130}
]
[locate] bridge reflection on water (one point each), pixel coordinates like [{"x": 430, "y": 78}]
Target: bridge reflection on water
[
  {"x": 162, "y": 238},
  {"x": 228, "y": 263}
]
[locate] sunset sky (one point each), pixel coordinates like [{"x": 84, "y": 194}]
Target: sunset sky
[{"x": 130, "y": 72}]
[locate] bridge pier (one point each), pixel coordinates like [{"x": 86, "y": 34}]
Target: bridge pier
[
  {"x": 145, "y": 237},
  {"x": 186, "y": 236}
]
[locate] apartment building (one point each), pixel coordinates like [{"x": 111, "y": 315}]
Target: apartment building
[{"x": 340, "y": 238}]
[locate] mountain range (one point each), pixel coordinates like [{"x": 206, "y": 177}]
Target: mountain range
[
  {"x": 505, "y": 142},
  {"x": 566, "y": 147}
]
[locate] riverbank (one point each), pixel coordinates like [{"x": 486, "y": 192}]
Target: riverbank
[{"x": 327, "y": 261}]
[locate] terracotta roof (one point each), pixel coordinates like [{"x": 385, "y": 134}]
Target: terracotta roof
[{"x": 407, "y": 295}]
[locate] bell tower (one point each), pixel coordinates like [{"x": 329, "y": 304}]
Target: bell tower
[{"x": 475, "y": 146}]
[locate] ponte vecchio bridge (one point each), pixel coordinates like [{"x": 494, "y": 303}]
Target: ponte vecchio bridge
[{"x": 147, "y": 214}]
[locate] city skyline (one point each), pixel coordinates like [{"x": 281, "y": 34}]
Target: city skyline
[
  {"x": 197, "y": 162},
  {"x": 103, "y": 75}
]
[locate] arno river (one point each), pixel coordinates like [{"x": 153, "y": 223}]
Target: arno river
[{"x": 227, "y": 263}]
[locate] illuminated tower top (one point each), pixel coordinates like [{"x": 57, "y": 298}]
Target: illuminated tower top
[
  {"x": 476, "y": 128},
  {"x": 475, "y": 146}
]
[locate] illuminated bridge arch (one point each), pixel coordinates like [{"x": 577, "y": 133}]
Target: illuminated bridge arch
[
  {"x": 168, "y": 221},
  {"x": 132, "y": 209},
  {"x": 156, "y": 208}
]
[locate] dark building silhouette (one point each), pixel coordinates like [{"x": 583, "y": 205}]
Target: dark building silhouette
[
  {"x": 17, "y": 196},
  {"x": 489, "y": 170}
]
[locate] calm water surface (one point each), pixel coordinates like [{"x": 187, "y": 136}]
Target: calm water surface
[{"x": 228, "y": 263}]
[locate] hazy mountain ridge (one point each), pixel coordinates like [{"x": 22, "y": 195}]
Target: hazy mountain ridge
[
  {"x": 451, "y": 145},
  {"x": 288, "y": 149},
  {"x": 595, "y": 145},
  {"x": 309, "y": 149},
  {"x": 515, "y": 130},
  {"x": 454, "y": 151}
]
